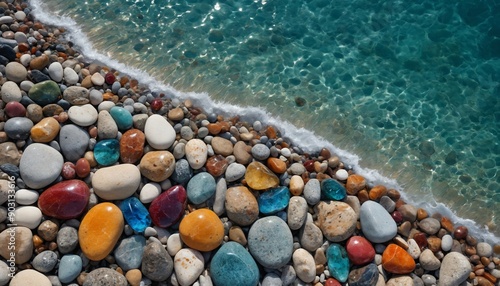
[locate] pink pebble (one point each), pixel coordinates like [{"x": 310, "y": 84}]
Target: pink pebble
[{"x": 15, "y": 109}]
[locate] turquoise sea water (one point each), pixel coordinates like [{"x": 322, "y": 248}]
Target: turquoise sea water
[{"x": 410, "y": 91}]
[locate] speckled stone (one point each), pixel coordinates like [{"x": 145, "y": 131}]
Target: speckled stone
[
  {"x": 157, "y": 165},
  {"x": 45, "y": 261},
  {"x": 105, "y": 277},
  {"x": 241, "y": 206},
  {"x": 337, "y": 220},
  {"x": 233, "y": 265},
  {"x": 455, "y": 269},
  {"x": 270, "y": 242},
  {"x": 157, "y": 264},
  {"x": 30, "y": 277},
  {"x": 128, "y": 253}
]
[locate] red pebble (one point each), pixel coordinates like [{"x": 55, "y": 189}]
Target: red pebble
[
  {"x": 461, "y": 232},
  {"x": 332, "y": 282},
  {"x": 82, "y": 168},
  {"x": 109, "y": 78},
  {"x": 65, "y": 200},
  {"x": 359, "y": 250},
  {"x": 421, "y": 239},
  {"x": 309, "y": 165},
  {"x": 132, "y": 146},
  {"x": 397, "y": 216},
  {"x": 68, "y": 171},
  {"x": 168, "y": 207},
  {"x": 156, "y": 104},
  {"x": 15, "y": 109}
]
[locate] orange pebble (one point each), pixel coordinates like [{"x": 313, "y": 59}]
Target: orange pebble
[
  {"x": 396, "y": 260},
  {"x": 276, "y": 165},
  {"x": 377, "y": 192},
  {"x": 202, "y": 230}
]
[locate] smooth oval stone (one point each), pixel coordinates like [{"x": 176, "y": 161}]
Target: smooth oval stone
[
  {"x": 45, "y": 92},
  {"x": 40, "y": 165},
  {"x": 76, "y": 95},
  {"x": 116, "y": 182},
  {"x": 122, "y": 117},
  {"x": 135, "y": 213},
  {"x": 168, "y": 207},
  {"x": 274, "y": 200},
  {"x": 56, "y": 71},
  {"x": 65, "y": 200},
  {"x": 15, "y": 109},
  {"x": 202, "y": 230},
  {"x": 30, "y": 277},
  {"x": 45, "y": 130},
  {"x": 312, "y": 191},
  {"x": 338, "y": 262},
  {"x": 45, "y": 261},
  {"x": 455, "y": 269},
  {"x": 332, "y": 190},
  {"x": 157, "y": 165},
  {"x": 270, "y": 241},
  {"x": 188, "y": 265},
  {"x": 196, "y": 153},
  {"x": 107, "y": 152},
  {"x": 70, "y": 267},
  {"x": 376, "y": 223},
  {"x": 337, "y": 220},
  {"x": 106, "y": 126},
  {"x": 99, "y": 230},
  {"x": 259, "y": 177},
  {"x": 129, "y": 252},
  {"x": 132, "y": 146},
  {"x": 82, "y": 168},
  {"x": 159, "y": 133},
  {"x": 26, "y": 197},
  {"x": 304, "y": 265},
  {"x": 234, "y": 172},
  {"x": 367, "y": 275},
  {"x": 18, "y": 128},
  {"x": 241, "y": 206},
  {"x": 84, "y": 115},
  {"x": 70, "y": 76},
  {"x": 149, "y": 192},
  {"x": 23, "y": 249},
  {"x": 74, "y": 141},
  {"x": 396, "y": 260},
  {"x": 200, "y": 188},
  {"x": 359, "y": 250},
  {"x": 105, "y": 276},
  {"x": 233, "y": 265},
  {"x": 217, "y": 165},
  {"x": 157, "y": 264}
]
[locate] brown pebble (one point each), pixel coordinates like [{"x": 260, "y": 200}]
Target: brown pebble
[
  {"x": 237, "y": 234},
  {"x": 485, "y": 261},
  {"x": 320, "y": 268},
  {"x": 37, "y": 241},
  {"x": 89, "y": 156},
  {"x": 52, "y": 109},
  {"x": 134, "y": 277},
  {"x": 52, "y": 246},
  {"x": 271, "y": 132},
  {"x": 355, "y": 183},
  {"x": 471, "y": 240},
  {"x": 214, "y": 128},
  {"x": 470, "y": 250},
  {"x": 393, "y": 194},
  {"x": 479, "y": 272},
  {"x": 421, "y": 214},
  {"x": 47, "y": 230},
  {"x": 434, "y": 243},
  {"x": 62, "y": 117},
  {"x": 404, "y": 228},
  {"x": 490, "y": 277},
  {"x": 363, "y": 196},
  {"x": 81, "y": 278},
  {"x": 325, "y": 153},
  {"x": 481, "y": 281},
  {"x": 475, "y": 259},
  {"x": 377, "y": 192},
  {"x": 276, "y": 165},
  {"x": 176, "y": 114},
  {"x": 447, "y": 224},
  {"x": 461, "y": 232},
  {"x": 333, "y": 162}
]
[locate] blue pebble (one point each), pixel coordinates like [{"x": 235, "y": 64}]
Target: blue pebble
[
  {"x": 135, "y": 213},
  {"x": 332, "y": 190},
  {"x": 233, "y": 265},
  {"x": 128, "y": 253},
  {"x": 200, "y": 188},
  {"x": 274, "y": 200},
  {"x": 107, "y": 152},
  {"x": 367, "y": 275},
  {"x": 69, "y": 268},
  {"x": 122, "y": 117},
  {"x": 338, "y": 262}
]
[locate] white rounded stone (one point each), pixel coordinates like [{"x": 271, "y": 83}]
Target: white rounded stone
[
  {"x": 84, "y": 115},
  {"x": 297, "y": 212},
  {"x": 196, "y": 153},
  {"x": 429, "y": 261},
  {"x": 4, "y": 273},
  {"x": 25, "y": 60},
  {"x": 188, "y": 265},
  {"x": 341, "y": 174},
  {"x": 446, "y": 242},
  {"x": 149, "y": 192},
  {"x": 56, "y": 72},
  {"x": 30, "y": 277},
  {"x": 117, "y": 182},
  {"x": 159, "y": 133},
  {"x": 303, "y": 263},
  {"x": 174, "y": 244},
  {"x": 413, "y": 249},
  {"x": 10, "y": 92},
  {"x": 28, "y": 216},
  {"x": 400, "y": 281},
  {"x": 296, "y": 185},
  {"x": 484, "y": 249},
  {"x": 455, "y": 268},
  {"x": 97, "y": 79},
  {"x": 70, "y": 76},
  {"x": 26, "y": 197}
]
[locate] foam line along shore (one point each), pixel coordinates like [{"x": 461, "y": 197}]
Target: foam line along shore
[{"x": 167, "y": 181}]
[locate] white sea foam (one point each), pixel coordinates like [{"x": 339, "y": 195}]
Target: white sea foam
[{"x": 301, "y": 137}]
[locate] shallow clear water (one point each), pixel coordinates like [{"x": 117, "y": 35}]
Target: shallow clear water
[{"x": 412, "y": 88}]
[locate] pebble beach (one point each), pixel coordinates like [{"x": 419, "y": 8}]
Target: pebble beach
[{"x": 106, "y": 182}]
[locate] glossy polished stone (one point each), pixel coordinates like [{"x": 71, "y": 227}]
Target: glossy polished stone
[
  {"x": 157, "y": 165},
  {"x": 274, "y": 200},
  {"x": 216, "y": 165},
  {"x": 132, "y": 146},
  {"x": 338, "y": 262},
  {"x": 45, "y": 131},
  {"x": 45, "y": 92},
  {"x": 168, "y": 207},
  {"x": 359, "y": 250},
  {"x": 259, "y": 177},
  {"x": 99, "y": 230},
  {"x": 233, "y": 265},
  {"x": 135, "y": 213},
  {"x": 107, "y": 152},
  {"x": 65, "y": 200},
  {"x": 367, "y": 275},
  {"x": 200, "y": 188},
  {"x": 332, "y": 190},
  {"x": 122, "y": 117},
  {"x": 396, "y": 260},
  {"x": 202, "y": 230},
  {"x": 82, "y": 168}
]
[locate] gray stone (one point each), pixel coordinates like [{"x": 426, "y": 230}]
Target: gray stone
[
  {"x": 455, "y": 269},
  {"x": 220, "y": 197},
  {"x": 73, "y": 141},
  {"x": 40, "y": 165},
  {"x": 429, "y": 261},
  {"x": 484, "y": 249},
  {"x": 10, "y": 92},
  {"x": 106, "y": 126},
  {"x": 234, "y": 172},
  {"x": 430, "y": 225},
  {"x": 260, "y": 152},
  {"x": 297, "y": 212},
  {"x": 18, "y": 128},
  {"x": 387, "y": 203},
  {"x": 45, "y": 261},
  {"x": 271, "y": 279},
  {"x": 297, "y": 169},
  {"x": 76, "y": 95},
  {"x": 128, "y": 253},
  {"x": 15, "y": 72},
  {"x": 376, "y": 223},
  {"x": 4, "y": 273},
  {"x": 310, "y": 236},
  {"x": 157, "y": 264},
  {"x": 105, "y": 277},
  {"x": 67, "y": 239},
  {"x": 312, "y": 191}
]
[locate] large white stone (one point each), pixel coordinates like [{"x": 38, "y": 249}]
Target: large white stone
[
  {"x": 84, "y": 115},
  {"x": 116, "y": 182},
  {"x": 28, "y": 216},
  {"x": 376, "y": 223},
  {"x": 70, "y": 76},
  {"x": 40, "y": 165},
  {"x": 455, "y": 268},
  {"x": 159, "y": 133},
  {"x": 56, "y": 71},
  {"x": 188, "y": 265},
  {"x": 304, "y": 265},
  {"x": 10, "y": 92},
  {"x": 196, "y": 153}
]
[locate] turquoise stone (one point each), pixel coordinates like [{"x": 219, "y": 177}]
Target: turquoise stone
[
  {"x": 44, "y": 92},
  {"x": 107, "y": 152},
  {"x": 70, "y": 267},
  {"x": 135, "y": 213},
  {"x": 274, "y": 200},
  {"x": 200, "y": 188},
  {"x": 332, "y": 190},
  {"x": 233, "y": 265},
  {"x": 122, "y": 117},
  {"x": 128, "y": 253},
  {"x": 338, "y": 262}
]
